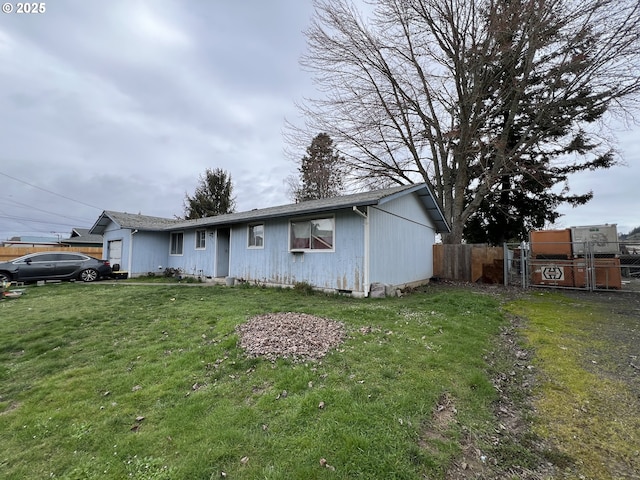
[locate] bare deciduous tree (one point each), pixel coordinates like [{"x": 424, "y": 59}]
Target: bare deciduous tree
[{"x": 468, "y": 94}]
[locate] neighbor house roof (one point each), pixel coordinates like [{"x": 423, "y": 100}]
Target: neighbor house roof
[
  {"x": 374, "y": 197},
  {"x": 82, "y": 236},
  {"x": 28, "y": 240},
  {"x": 79, "y": 232}
]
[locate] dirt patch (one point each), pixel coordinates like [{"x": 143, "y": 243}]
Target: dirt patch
[
  {"x": 508, "y": 450},
  {"x": 297, "y": 336},
  {"x": 441, "y": 418}
]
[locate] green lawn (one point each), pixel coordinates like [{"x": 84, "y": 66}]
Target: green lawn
[{"x": 147, "y": 382}]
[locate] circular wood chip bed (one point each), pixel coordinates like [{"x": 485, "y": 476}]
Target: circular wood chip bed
[{"x": 297, "y": 336}]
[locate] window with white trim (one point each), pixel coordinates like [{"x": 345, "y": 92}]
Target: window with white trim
[
  {"x": 256, "y": 236},
  {"x": 176, "y": 242},
  {"x": 201, "y": 239},
  {"x": 315, "y": 234}
]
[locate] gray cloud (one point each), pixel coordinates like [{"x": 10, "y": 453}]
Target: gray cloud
[{"x": 122, "y": 105}]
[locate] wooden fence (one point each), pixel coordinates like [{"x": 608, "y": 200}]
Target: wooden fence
[
  {"x": 469, "y": 263},
  {"x": 9, "y": 253}
]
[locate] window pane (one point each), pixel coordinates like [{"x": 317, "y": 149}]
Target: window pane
[
  {"x": 256, "y": 235},
  {"x": 322, "y": 234},
  {"x": 176, "y": 243},
  {"x": 201, "y": 236},
  {"x": 300, "y": 235}
]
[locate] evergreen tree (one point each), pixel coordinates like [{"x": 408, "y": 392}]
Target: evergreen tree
[
  {"x": 319, "y": 171},
  {"x": 213, "y": 196}
]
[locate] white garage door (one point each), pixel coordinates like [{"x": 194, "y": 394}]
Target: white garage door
[{"x": 115, "y": 253}]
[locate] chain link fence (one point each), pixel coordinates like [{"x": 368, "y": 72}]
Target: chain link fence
[{"x": 589, "y": 265}]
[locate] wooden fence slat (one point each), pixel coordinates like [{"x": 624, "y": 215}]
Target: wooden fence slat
[{"x": 464, "y": 263}]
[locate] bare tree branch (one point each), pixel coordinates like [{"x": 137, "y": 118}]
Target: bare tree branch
[{"x": 462, "y": 94}]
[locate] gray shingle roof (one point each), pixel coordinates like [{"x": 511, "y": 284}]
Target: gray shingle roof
[
  {"x": 374, "y": 197},
  {"x": 131, "y": 220},
  {"x": 82, "y": 235}
]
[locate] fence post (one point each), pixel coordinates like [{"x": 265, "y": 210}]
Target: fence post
[
  {"x": 505, "y": 264},
  {"x": 590, "y": 258},
  {"x": 524, "y": 266}
]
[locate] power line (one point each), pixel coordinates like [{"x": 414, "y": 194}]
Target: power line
[
  {"x": 31, "y": 207},
  {"x": 52, "y": 193},
  {"x": 22, "y": 220},
  {"x": 17, "y": 220}
]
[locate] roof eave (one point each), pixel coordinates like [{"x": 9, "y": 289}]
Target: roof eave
[
  {"x": 95, "y": 230},
  {"x": 430, "y": 203}
]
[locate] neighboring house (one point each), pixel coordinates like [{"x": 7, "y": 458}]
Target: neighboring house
[
  {"x": 26, "y": 241},
  {"x": 80, "y": 237},
  {"x": 343, "y": 244}
]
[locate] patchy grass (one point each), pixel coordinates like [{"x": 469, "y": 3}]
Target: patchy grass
[
  {"x": 591, "y": 416},
  {"x": 147, "y": 382}
]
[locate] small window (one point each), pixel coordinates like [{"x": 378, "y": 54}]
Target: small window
[
  {"x": 201, "y": 239},
  {"x": 176, "y": 243},
  {"x": 314, "y": 234},
  {"x": 256, "y": 236}
]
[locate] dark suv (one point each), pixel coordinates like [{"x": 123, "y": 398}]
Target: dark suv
[{"x": 54, "y": 266}]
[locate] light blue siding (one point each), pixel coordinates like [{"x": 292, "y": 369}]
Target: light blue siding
[
  {"x": 401, "y": 240},
  {"x": 113, "y": 232},
  {"x": 150, "y": 251},
  {"x": 400, "y": 237},
  {"x": 340, "y": 269},
  {"x": 198, "y": 262}
]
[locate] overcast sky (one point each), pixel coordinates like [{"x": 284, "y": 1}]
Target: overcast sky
[{"x": 121, "y": 105}]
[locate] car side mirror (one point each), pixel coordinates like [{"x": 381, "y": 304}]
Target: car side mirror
[{"x": 28, "y": 261}]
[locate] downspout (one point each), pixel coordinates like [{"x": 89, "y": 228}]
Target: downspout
[
  {"x": 365, "y": 265},
  {"x": 130, "y": 259}
]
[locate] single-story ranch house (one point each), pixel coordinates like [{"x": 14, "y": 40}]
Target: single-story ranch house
[{"x": 342, "y": 244}]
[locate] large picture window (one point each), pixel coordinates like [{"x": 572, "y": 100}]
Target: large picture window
[
  {"x": 201, "y": 239},
  {"x": 176, "y": 242},
  {"x": 316, "y": 234},
  {"x": 256, "y": 236}
]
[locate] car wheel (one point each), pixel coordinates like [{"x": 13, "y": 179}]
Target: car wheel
[
  {"x": 5, "y": 277},
  {"x": 89, "y": 275}
]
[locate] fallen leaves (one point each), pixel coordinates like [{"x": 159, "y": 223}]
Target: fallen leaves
[
  {"x": 136, "y": 425},
  {"x": 324, "y": 464}
]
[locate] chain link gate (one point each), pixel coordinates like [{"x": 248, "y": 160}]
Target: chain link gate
[{"x": 586, "y": 269}]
